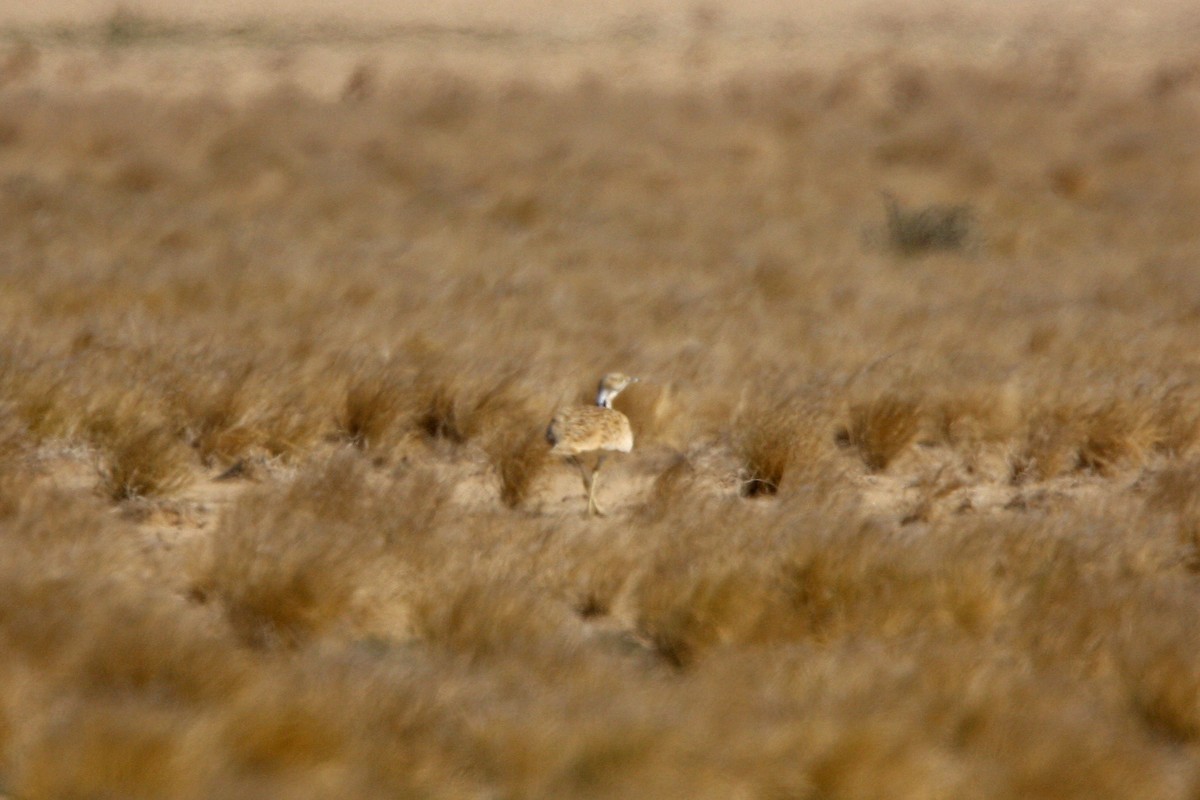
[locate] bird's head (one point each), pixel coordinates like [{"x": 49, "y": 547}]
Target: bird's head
[{"x": 611, "y": 385}]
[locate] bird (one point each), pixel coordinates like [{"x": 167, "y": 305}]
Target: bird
[{"x": 597, "y": 429}]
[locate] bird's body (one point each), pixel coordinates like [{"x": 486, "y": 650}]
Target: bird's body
[
  {"x": 586, "y": 428},
  {"x": 598, "y": 429}
]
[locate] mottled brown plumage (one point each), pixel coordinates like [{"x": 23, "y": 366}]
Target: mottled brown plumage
[
  {"x": 587, "y": 428},
  {"x": 592, "y": 429}
]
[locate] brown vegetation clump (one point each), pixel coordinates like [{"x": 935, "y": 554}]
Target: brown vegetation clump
[
  {"x": 213, "y": 406},
  {"x": 456, "y": 410},
  {"x": 773, "y": 438},
  {"x": 880, "y": 429},
  {"x": 1117, "y": 433},
  {"x": 519, "y": 453},
  {"x": 1099, "y": 438},
  {"x": 14, "y": 437},
  {"x": 674, "y": 486},
  {"x": 1175, "y": 489},
  {"x": 137, "y": 462},
  {"x": 372, "y": 408},
  {"x": 934, "y": 227},
  {"x": 766, "y": 447},
  {"x": 282, "y": 564}
]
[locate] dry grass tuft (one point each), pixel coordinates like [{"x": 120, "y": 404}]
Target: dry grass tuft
[
  {"x": 15, "y": 441},
  {"x": 141, "y": 462},
  {"x": 212, "y": 408},
  {"x": 773, "y": 438},
  {"x": 457, "y": 410},
  {"x": 965, "y": 419},
  {"x": 1100, "y": 438},
  {"x": 673, "y": 488},
  {"x": 650, "y": 409},
  {"x": 373, "y": 407},
  {"x": 283, "y": 561},
  {"x": 103, "y": 747},
  {"x": 124, "y": 27},
  {"x": 1178, "y": 425},
  {"x": 494, "y": 618},
  {"x": 518, "y": 453},
  {"x": 437, "y": 415},
  {"x": 408, "y": 511},
  {"x": 36, "y": 390},
  {"x": 722, "y": 599},
  {"x": 929, "y": 228},
  {"x": 1116, "y": 434},
  {"x": 1175, "y": 489},
  {"x": 1051, "y": 445},
  {"x": 766, "y": 451},
  {"x": 882, "y": 428}
]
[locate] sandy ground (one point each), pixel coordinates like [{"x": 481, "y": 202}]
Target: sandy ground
[{"x": 228, "y": 48}]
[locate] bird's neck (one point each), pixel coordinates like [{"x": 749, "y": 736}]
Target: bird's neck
[{"x": 605, "y": 397}]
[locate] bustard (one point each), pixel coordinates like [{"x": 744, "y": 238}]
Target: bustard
[{"x": 592, "y": 429}]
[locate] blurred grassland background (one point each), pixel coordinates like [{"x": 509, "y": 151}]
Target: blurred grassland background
[{"x": 286, "y": 301}]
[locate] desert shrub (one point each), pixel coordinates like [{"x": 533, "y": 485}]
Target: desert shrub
[
  {"x": 1050, "y": 444},
  {"x": 672, "y": 488},
  {"x": 211, "y": 402},
  {"x": 373, "y": 406},
  {"x": 457, "y": 410},
  {"x": 1097, "y": 437},
  {"x": 39, "y": 394},
  {"x": 1116, "y": 433},
  {"x": 136, "y": 461},
  {"x": 119, "y": 746},
  {"x": 1179, "y": 427},
  {"x": 934, "y": 227},
  {"x": 880, "y": 429},
  {"x": 765, "y": 446},
  {"x": 518, "y": 453},
  {"x": 773, "y": 438},
  {"x": 15, "y": 440},
  {"x": 492, "y": 616},
  {"x": 1175, "y": 488},
  {"x": 68, "y": 572},
  {"x": 282, "y": 562},
  {"x": 649, "y": 408}
]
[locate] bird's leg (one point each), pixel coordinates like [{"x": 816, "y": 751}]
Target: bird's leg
[
  {"x": 593, "y": 508},
  {"x": 583, "y": 473}
]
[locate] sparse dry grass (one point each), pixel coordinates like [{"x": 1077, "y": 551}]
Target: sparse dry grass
[{"x": 377, "y": 294}]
